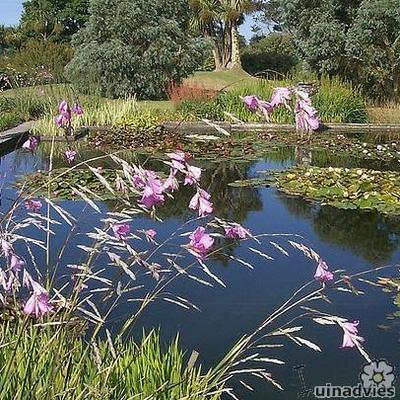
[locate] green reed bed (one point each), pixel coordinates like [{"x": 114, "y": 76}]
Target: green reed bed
[{"x": 48, "y": 362}]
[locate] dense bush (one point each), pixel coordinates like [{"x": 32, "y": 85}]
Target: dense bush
[
  {"x": 38, "y": 62},
  {"x": 273, "y": 55},
  {"x": 8, "y": 120},
  {"x": 135, "y": 48}
]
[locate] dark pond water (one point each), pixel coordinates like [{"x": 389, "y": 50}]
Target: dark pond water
[{"x": 347, "y": 239}]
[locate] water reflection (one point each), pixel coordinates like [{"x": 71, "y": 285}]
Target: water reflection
[{"x": 367, "y": 234}]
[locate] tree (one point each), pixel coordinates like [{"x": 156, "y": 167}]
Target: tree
[
  {"x": 373, "y": 45},
  {"x": 218, "y": 20},
  {"x": 356, "y": 39},
  {"x": 135, "y": 47},
  {"x": 55, "y": 19}
]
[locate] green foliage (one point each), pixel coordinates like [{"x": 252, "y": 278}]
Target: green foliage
[
  {"x": 374, "y": 46},
  {"x": 198, "y": 109},
  {"x": 135, "y": 47},
  {"x": 53, "y": 19},
  {"x": 336, "y": 101},
  {"x": 9, "y": 120},
  {"x": 345, "y": 188},
  {"x": 357, "y": 40},
  {"x": 37, "y": 62},
  {"x": 275, "y": 54},
  {"x": 52, "y": 363}
]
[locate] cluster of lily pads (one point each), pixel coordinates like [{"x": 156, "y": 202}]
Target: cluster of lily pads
[{"x": 345, "y": 188}]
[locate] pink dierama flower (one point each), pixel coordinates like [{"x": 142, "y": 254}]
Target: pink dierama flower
[
  {"x": 171, "y": 183},
  {"x": 201, "y": 202},
  {"x": 6, "y": 282},
  {"x": 16, "y": 263},
  {"x": 236, "y": 231},
  {"x": 77, "y": 109},
  {"x": 306, "y": 115},
  {"x": 178, "y": 161},
  {"x": 70, "y": 156},
  {"x": 200, "y": 242},
  {"x": 193, "y": 175},
  {"x": 33, "y": 205},
  {"x": 150, "y": 234},
  {"x": 31, "y": 144},
  {"x": 266, "y": 108},
  {"x": 251, "y": 102},
  {"x": 281, "y": 97},
  {"x": 38, "y": 305},
  {"x": 63, "y": 107},
  {"x": 121, "y": 231},
  {"x": 322, "y": 273},
  {"x": 178, "y": 155},
  {"x": 153, "y": 193},
  {"x": 350, "y": 334}
]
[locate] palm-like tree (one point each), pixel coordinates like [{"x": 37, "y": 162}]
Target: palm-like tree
[{"x": 219, "y": 20}]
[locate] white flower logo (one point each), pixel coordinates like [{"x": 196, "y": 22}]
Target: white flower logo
[{"x": 378, "y": 373}]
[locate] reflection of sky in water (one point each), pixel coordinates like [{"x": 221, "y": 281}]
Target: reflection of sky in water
[{"x": 346, "y": 239}]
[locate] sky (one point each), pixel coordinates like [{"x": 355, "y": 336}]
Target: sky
[{"x": 10, "y": 12}]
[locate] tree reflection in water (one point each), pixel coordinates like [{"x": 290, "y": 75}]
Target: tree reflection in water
[{"x": 370, "y": 235}]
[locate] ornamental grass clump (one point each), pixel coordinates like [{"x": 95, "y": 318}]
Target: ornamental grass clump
[{"x": 118, "y": 264}]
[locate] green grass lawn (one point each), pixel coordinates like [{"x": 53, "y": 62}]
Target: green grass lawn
[{"x": 218, "y": 80}]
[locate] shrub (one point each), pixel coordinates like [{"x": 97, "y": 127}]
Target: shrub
[
  {"x": 273, "y": 55},
  {"x": 38, "y": 62},
  {"x": 8, "y": 120}
]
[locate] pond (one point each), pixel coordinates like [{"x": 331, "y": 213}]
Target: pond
[{"x": 348, "y": 239}]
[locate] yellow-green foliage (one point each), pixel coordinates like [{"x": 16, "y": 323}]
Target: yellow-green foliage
[{"x": 50, "y": 362}]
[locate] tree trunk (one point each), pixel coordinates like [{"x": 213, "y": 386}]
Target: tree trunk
[
  {"x": 235, "y": 61},
  {"x": 217, "y": 58}
]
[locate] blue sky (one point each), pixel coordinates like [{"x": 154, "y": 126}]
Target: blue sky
[{"x": 11, "y": 12}]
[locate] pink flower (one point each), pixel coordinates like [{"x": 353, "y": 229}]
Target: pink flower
[
  {"x": 266, "y": 108},
  {"x": 121, "y": 231},
  {"x": 171, "y": 183},
  {"x": 153, "y": 193},
  {"x": 306, "y": 116},
  {"x": 38, "y": 305},
  {"x": 251, "y": 102},
  {"x": 150, "y": 234},
  {"x": 350, "y": 334},
  {"x": 193, "y": 175},
  {"x": 201, "y": 202},
  {"x": 281, "y": 96},
  {"x": 16, "y": 263},
  {"x": 236, "y": 231},
  {"x": 33, "y": 205},
  {"x": 63, "y": 107},
  {"x": 31, "y": 144},
  {"x": 6, "y": 282},
  {"x": 200, "y": 242},
  {"x": 64, "y": 119},
  {"x": 178, "y": 155},
  {"x": 77, "y": 109},
  {"x": 70, "y": 155},
  {"x": 322, "y": 273}
]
